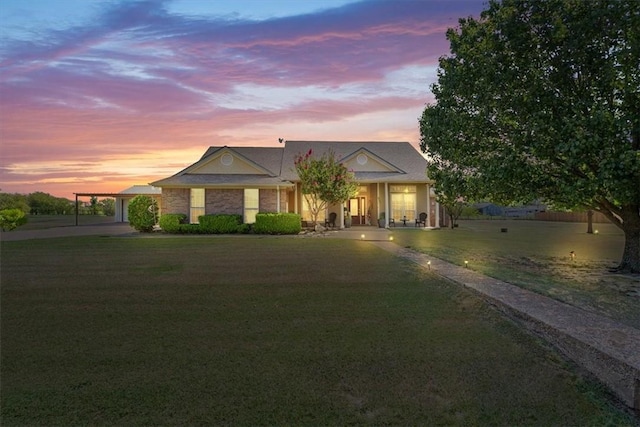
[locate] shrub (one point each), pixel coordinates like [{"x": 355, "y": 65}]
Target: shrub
[
  {"x": 244, "y": 229},
  {"x": 220, "y": 223},
  {"x": 190, "y": 229},
  {"x": 170, "y": 223},
  {"x": 143, "y": 213},
  {"x": 277, "y": 223},
  {"x": 12, "y": 218}
]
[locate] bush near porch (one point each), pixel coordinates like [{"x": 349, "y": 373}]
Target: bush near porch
[
  {"x": 220, "y": 223},
  {"x": 171, "y": 223},
  {"x": 277, "y": 223},
  {"x": 266, "y": 223}
]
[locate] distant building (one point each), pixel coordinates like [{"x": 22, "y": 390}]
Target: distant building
[
  {"x": 527, "y": 211},
  {"x": 488, "y": 209}
]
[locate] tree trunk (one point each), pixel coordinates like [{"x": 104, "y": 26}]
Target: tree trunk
[
  {"x": 589, "y": 221},
  {"x": 627, "y": 218},
  {"x": 630, "y": 215},
  {"x": 631, "y": 255}
]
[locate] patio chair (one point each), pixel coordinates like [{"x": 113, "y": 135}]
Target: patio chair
[{"x": 422, "y": 219}]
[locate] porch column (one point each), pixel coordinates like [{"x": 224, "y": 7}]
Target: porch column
[
  {"x": 429, "y": 203},
  {"x": 387, "y": 205},
  {"x": 437, "y": 214},
  {"x": 341, "y": 215},
  {"x": 378, "y": 199},
  {"x": 278, "y": 198}
]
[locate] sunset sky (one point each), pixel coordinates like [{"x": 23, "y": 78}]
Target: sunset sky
[{"x": 97, "y": 96}]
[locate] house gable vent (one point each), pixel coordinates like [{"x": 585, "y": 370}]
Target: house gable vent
[
  {"x": 363, "y": 160},
  {"x": 227, "y": 161}
]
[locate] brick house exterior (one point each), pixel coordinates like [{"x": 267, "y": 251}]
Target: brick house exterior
[{"x": 245, "y": 180}]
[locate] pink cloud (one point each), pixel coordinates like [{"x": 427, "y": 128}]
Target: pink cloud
[{"x": 137, "y": 81}]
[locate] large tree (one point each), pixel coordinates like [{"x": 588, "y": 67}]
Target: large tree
[
  {"x": 324, "y": 181},
  {"x": 541, "y": 98}
]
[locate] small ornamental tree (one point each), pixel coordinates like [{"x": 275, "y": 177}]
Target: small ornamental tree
[
  {"x": 143, "y": 213},
  {"x": 325, "y": 181},
  {"x": 454, "y": 207}
]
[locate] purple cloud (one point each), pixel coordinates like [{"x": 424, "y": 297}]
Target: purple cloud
[{"x": 138, "y": 78}]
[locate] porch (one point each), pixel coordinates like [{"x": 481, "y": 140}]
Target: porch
[{"x": 404, "y": 201}]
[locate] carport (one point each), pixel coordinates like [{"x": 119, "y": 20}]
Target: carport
[{"x": 122, "y": 199}]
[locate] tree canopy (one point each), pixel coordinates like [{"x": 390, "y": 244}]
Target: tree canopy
[
  {"x": 324, "y": 181},
  {"x": 541, "y": 98}
]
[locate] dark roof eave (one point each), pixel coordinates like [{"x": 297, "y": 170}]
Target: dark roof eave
[
  {"x": 227, "y": 186},
  {"x": 399, "y": 181}
]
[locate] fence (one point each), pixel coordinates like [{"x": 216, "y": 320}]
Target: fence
[{"x": 570, "y": 217}]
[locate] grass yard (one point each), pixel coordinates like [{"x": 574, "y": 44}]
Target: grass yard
[
  {"x": 535, "y": 256},
  {"x": 40, "y": 222},
  {"x": 265, "y": 331}
]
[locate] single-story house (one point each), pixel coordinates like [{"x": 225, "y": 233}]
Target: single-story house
[{"x": 391, "y": 178}]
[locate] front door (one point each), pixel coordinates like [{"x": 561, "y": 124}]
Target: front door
[{"x": 358, "y": 210}]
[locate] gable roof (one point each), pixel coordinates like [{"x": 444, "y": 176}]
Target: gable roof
[
  {"x": 382, "y": 161},
  {"x": 363, "y": 160},
  {"x": 258, "y": 160},
  {"x": 141, "y": 189},
  {"x": 231, "y": 167},
  {"x": 236, "y": 167}
]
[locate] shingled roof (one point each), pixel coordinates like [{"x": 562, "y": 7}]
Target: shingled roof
[
  {"x": 371, "y": 162},
  {"x": 395, "y": 161}
]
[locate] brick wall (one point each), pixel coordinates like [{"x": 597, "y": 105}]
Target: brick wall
[
  {"x": 175, "y": 200},
  {"x": 224, "y": 202},
  {"x": 269, "y": 200}
]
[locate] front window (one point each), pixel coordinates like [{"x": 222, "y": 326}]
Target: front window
[
  {"x": 251, "y": 204},
  {"x": 403, "y": 202},
  {"x": 196, "y": 205}
]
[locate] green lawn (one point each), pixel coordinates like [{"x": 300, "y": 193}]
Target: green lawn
[
  {"x": 264, "y": 331},
  {"x": 535, "y": 256},
  {"x": 39, "y": 222}
]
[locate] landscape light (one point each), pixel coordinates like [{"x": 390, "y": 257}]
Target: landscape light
[
  {"x": 429, "y": 265},
  {"x": 466, "y": 263},
  {"x": 572, "y": 255},
  {"x": 362, "y": 236},
  {"x": 595, "y": 231},
  {"x": 391, "y": 238}
]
